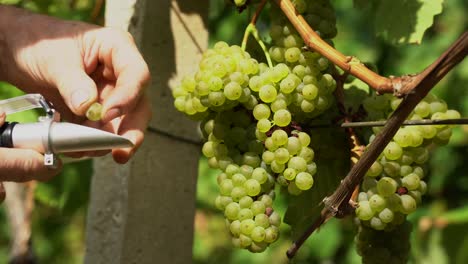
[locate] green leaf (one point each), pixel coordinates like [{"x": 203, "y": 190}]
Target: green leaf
[
  {"x": 326, "y": 241},
  {"x": 405, "y": 21}
]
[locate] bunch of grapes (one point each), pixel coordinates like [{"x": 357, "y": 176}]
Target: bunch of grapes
[
  {"x": 251, "y": 116},
  {"x": 394, "y": 184},
  {"x": 391, "y": 246},
  {"x": 220, "y": 84},
  {"x": 308, "y": 86}
]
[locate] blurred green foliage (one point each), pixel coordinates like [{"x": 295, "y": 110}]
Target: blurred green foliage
[{"x": 439, "y": 235}]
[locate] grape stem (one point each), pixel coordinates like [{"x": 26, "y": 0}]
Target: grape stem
[
  {"x": 338, "y": 203},
  {"x": 252, "y": 30}
]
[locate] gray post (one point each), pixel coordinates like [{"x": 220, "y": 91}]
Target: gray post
[{"x": 143, "y": 212}]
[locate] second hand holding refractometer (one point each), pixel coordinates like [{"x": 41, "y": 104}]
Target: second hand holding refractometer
[{"x": 49, "y": 136}]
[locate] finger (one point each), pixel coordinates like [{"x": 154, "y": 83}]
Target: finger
[
  {"x": 132, "y": 127},
  {"x": 77, "y": 89},
  {"x": 132, "y": 75},
  {"x": 2, "y": 117},
  {"x": 22, "y": 165}
]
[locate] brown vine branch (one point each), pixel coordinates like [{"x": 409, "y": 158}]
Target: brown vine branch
[{"x": 421, "y": 84}]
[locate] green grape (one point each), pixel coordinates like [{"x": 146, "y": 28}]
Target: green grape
[
  {"x": 386, "y": 186},
  {"x": 234, "y": 227},
  {"x": 245, "y": 213},
  {"x": 364, "y": 211},
  {"x": 267, "y": 93},
  {"x": 310, "y": 92},
  {"x": 263, "y": 125},
  {"x": 253, "y": 187},
  {"x": 281, "y": 155},
  {"x": 377, "y": 203},
  {"x": 392, "y": 168},
  {"x": 237, "y": 193},
  {"x": 294, "y": 145},
  {"x": 261, "y": 111},
  {"x": 247, "y": 226},
  {"x": 277, "y": 167},
  {"x": 377, "y": 224},
  {"x": 222, "y": 201},
  {"x": 257, "y": 208},
  {"x": 289, "y": 174},
  {"x": 260, "y": 175},
  {"x": 307, "y": 154},
  {"x": 292, "y": 54},
  {"x": 258, "y": 234},
  {"x": 297, "y": 163},
  {"x": 375, "y": 170},
  {"x": 225, "y": 187},
  {"x": 245, "y": 241},
  {"x": 268, "y": 157},
  {"x": 393, "y": 151},
  {"x": 94, "y": 112},
  {"x": 245, "y": 202},
  {"x": 266, "y": 200},
  {"x": 304, "y": 181},
  {"x": 232, "y": 210},
  {"x": 408, "y": 204},
  {"x": 386, "y": 215},
  {"x": 275, "y": 219},
  {"x": 411, "y": 181},
  {"x": 279, "y": 137},
  {"x": 278, "y": 104},
  {"x": 282, "y": 118},
  {"x": 238, "y": 179}
]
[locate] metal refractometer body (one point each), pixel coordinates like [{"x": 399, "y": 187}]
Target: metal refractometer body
[{"x": 48, "y": 136}]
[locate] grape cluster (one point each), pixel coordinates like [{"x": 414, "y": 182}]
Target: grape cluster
[
  {"x": 384, "y": 247},
  {"x": 221, "y": 83},
  {"x": 250, "y": 117},
  {"x": 245, "y": 184},
  {"x": 291, "y": 159},
  {"x": 394, "y": 184},
  {"x": 307, "y": 86}
]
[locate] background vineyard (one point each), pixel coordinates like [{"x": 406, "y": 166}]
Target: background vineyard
[{"x": 61, "y": 204}]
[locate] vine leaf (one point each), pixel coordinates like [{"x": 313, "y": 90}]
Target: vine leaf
[{"x": 405, "y": 21}]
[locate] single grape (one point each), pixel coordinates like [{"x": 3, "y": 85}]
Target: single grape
[{"x": 94, "y": 112}]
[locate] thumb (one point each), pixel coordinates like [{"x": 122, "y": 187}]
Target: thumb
[
  {"x": 77, "y": 89},
  {"x": 22, "y": 165}
]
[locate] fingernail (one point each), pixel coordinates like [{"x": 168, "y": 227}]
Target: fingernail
[
  {"x": 78, "y": 98},
  {"x": 111, "y": 114}
]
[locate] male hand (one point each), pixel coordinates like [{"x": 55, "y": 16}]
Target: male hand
[{"x": 73, "y": 65}]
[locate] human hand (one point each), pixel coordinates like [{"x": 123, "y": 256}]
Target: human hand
[
  {"x": 22, "y": 165},
  {"x": 73, "y": 65}
]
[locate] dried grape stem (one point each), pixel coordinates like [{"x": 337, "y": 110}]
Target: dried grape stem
[{"x": 421, "y": 84}]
